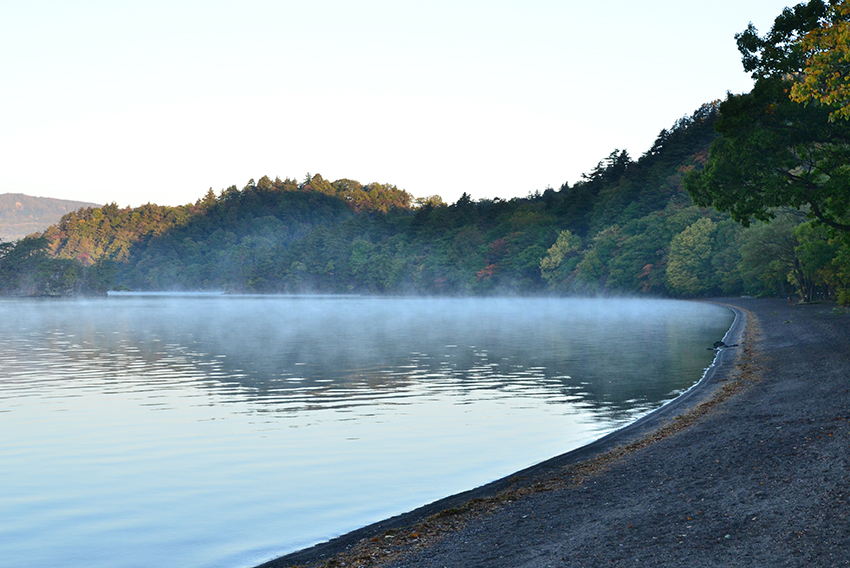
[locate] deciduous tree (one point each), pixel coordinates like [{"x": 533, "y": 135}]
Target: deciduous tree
[
  {"x": 774, "y": 152},
  {"x": 826, "y": 52}
]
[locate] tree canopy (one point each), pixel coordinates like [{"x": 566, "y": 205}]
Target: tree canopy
[
  {"x": 773, "y": 151},
  {"x": 826, "y": 52},
  {"x": 628, "y": 226}
]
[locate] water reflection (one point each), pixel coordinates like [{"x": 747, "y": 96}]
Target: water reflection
[
  {"x": 338, "y": 350},
  {"x": 248, "y": 410}
]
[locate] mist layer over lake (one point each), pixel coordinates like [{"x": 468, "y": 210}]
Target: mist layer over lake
[{"x": 204, "y": 431}]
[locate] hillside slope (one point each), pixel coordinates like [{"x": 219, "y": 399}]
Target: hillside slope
[
  {"x": 628, "y": 227},
  {"x": 343, "y": 237},
  {"x": 22, "y": 215}
]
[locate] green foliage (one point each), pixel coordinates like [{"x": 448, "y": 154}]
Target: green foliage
[
  {"x": 27, "y": 270},
  {"x": 779, "y": 52},
  {"x": 790, "y": 256},
  {"x": 826, "y": 50},
  {"x": 766, "y": 211},
  {"x": 627, "y": 227},
  {"x": 841, "y": 265},
  {"x": 768, "y": 255},
  {"x": 774, "y": 152},
  {"x": 817, "y": 271},
  {"x": 689, "y": 269},
  {"x": 560, "y": 260},
  {"x": 342, "y": 236}
]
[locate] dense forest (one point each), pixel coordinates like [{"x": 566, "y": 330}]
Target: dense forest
[{"x": 745, "y": 196}]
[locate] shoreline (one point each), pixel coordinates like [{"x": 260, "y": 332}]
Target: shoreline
[{"x": 421, "y": 527}]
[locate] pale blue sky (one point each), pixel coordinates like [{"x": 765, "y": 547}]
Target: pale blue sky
[{"x": 158, "y": 101}]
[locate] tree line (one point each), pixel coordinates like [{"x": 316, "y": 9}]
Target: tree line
[{"x": 745, "y": 196}]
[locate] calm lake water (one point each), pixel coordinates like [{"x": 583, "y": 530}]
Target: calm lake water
[{"x": 221, "y": 431}]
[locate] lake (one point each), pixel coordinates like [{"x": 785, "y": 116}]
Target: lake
[{"x": 223, "y": 431}]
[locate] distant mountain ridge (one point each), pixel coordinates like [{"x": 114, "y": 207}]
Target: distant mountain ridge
[{"x": 22, "y": 215}]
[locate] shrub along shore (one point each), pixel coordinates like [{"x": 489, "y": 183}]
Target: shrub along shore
[{"x": 748, "y": 469}]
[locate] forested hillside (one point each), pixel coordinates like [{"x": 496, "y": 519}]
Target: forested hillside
[
  {"x": 768, "y": 171},
  {"x": 628, "y": 227},
  {"x": 320, "y": 236}
]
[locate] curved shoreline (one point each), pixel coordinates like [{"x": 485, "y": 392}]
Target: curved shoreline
[{"x": 634, "y": 434}]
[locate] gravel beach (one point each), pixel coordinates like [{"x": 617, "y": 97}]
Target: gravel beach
[{"x": 750, "y": 468}]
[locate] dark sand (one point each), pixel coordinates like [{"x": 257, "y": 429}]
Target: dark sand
[{"x": 750, "y": 468}]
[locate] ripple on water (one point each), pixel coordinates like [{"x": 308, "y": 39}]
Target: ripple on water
[{"x": 215, "y": 431}]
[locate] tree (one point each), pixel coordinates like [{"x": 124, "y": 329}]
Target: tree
[
  {"x": 592, "y": 271},
  {"x": 689, "y": 270},
  {"x": 560, "y": 260},
  {"x": 208, "y": 202},
  {"x": 780, "y": 52},
  {"x": 26, "y": 270},
  {"x": 816, "y": 274},
  {"x": 826, "y": 51},
  {"x": 431, "y": 200},
  {"x": 774, "y": 152},
  {"x": 768, "y": 256}
]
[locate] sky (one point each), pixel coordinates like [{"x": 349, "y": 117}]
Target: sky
[{"x": 158, "y": 101}]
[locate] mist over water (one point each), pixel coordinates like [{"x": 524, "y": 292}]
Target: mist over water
[{"x": 223, "y": 431}]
